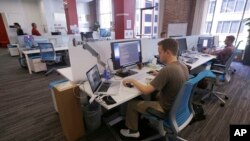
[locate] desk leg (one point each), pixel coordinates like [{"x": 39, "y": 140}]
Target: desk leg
[{"x": 28, "y": 64}]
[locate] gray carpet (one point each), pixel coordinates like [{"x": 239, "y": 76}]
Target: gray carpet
[{"x": 27, "y": 113}]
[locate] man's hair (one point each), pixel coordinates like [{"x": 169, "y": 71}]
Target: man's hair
[
  {"x": 169, "y": 44},
  {"x": 163, "y": 32},
  {"x": 231, "y": 38},
  {"x": 33, "y": 24}
]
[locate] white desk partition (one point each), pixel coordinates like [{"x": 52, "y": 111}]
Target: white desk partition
[{"x": 81, "y": 60}]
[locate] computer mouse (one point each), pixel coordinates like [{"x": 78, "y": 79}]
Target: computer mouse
[{"x": 130, "y": 85}]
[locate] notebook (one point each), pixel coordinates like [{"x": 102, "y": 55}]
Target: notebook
[{"x": 101, "y": 87}]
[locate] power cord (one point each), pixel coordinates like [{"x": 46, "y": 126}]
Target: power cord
[{"x": 78, "y": 84}]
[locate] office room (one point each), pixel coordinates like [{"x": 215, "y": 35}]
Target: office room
[{"x": 101, "y": 70}]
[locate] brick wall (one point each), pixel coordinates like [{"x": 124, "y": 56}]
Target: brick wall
[{"x": 179, "y": 11}]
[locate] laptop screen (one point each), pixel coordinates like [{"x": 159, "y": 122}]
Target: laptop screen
[{"x": 94, "y": 78}]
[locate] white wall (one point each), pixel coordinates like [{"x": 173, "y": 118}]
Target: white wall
[
  {"x": 48, "y": 9},
  {"x": 22, "y": 11}
]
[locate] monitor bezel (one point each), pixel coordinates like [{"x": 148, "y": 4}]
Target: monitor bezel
[{"x": 116, "y": 64}]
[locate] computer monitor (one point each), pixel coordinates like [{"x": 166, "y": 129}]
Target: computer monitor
[
  {"x": 205, "y": 42},
  {"x": 182, "y": 42},
  {"x": 104, "y": 32},
  {"x": 124, "y": 54},
  {"x": 28, "y": 41}
]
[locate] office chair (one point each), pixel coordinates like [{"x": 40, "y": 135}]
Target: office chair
[
  {"x": 222, "y": 76},
  {"x": 49, "y": 56},
  {"x": 227, "y": 65},
  {"x": 181, "y": 113}
]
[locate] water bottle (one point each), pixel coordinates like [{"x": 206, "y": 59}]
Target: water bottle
[{"x": 106, "y": 74}]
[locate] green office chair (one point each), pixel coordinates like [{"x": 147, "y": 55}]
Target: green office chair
[{"x": 181, "y": 113}]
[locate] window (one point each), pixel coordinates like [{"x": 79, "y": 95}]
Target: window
[
  {"x": 225, "y": 27},
  {"x": 229, "y": 27},
  {"x": 230, "y": 6},
  {"x": 156, "y": 6},
  {"x": 105, "y": 8},
  {"x": 155, "y": 29},
  {"x": 239, "y": 5},
  {"x": 147, "y": 17},
  {"x": 148, "y": 3},
  {"x": 208, "y": 27},
  {"x": 234, "y": 27},
  {"x": 211, "y": 7},
  {"x": 156, "y": 18},
  {"x": 150, "y": 17},
  {"x": 223, "y": 6},
  {"x": 219, "y": 27},
  {"x": 147, "y": 29}
]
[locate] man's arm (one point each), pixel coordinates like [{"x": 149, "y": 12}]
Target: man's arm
[{"x": 145, "y": 89}]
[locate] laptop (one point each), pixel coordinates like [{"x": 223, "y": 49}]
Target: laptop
[{"x": 101, "y": 87}]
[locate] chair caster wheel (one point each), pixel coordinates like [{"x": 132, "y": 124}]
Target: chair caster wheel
[
  {"x": 202, "y": 102},
  {"x": 226, "y": 98},
  {"x": 222, "y": 105}
]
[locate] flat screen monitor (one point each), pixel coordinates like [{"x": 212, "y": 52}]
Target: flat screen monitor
[
  {"x": 126, "y": 53},
  {"x": 182, "y": 42},
  {"x": 205, "y": 42},
  {"x": 28, "y": 41}
]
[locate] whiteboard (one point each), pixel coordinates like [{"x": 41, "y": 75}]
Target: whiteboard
[{"x": 177, "y": 29}]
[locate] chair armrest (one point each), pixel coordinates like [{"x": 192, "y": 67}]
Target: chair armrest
[
  {"x": 219, "y": 65},
  {"x": 218, "y": 72},
  {"x": 157, "y": 114}
]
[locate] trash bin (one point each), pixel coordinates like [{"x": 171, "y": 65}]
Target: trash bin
[{"x": 92, "y": 116}]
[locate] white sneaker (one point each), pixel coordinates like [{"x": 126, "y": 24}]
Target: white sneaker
[{"x": 126, "y": 133}]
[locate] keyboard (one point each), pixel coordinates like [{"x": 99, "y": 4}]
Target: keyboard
[
  {"x": 104, "y": 87},
  {"x": 192, "y": 60}
]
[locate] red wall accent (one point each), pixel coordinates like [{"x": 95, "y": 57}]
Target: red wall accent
[
  {"x": 126, "y": 11},
  {"x": 4, "y": 40},
  {"x": 71, "y": 13}
]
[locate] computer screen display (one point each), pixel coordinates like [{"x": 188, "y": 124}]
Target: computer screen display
[
  {"x": 205, "y": 42},
  {"x": 28, "y": 41},
  {"x": 182, "y": 42},
  {"x": 126, "y": 53}
]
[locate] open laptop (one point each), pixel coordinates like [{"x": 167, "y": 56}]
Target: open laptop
[{"x": 101, "y": 87}]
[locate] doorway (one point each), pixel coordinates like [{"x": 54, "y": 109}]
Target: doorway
[{"x": 4, "y": 40}]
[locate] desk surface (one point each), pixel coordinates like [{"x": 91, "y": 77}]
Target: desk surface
[
  {"x": 125, "y": 94},
  {"x": 38, "y": 51},
  {"x": 66, "y": 72},
  {"x": 202, "y": 59}
]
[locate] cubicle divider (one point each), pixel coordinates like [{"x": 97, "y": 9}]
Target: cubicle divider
[{"x": 82, "y": 60}]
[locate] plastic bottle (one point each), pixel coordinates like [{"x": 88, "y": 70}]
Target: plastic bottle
[{"x": 106, "y": 73}]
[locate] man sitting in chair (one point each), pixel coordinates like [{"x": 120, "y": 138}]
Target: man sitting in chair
[
  {"x": 168, "y": 82},
  {"x": 223, "y": 55}
]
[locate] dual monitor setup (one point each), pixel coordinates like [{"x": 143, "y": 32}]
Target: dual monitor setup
[{"x": 204, "y": 42}]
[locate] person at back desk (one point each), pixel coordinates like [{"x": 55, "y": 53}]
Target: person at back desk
[
  {"x": 19, "y": 30},
  {"x": 34, "y": 30},
  {"x": 223, "y": 55},
  {"x": 168, "y": 82}
]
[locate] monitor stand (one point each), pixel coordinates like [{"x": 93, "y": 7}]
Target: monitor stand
[{"x": 125, "y": 73}]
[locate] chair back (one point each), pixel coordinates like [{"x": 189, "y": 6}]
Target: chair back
[
  {"x": 231, "y": 58},
  {"x": 182, "y": 111},
  {"x": 47, "y": 52}
]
